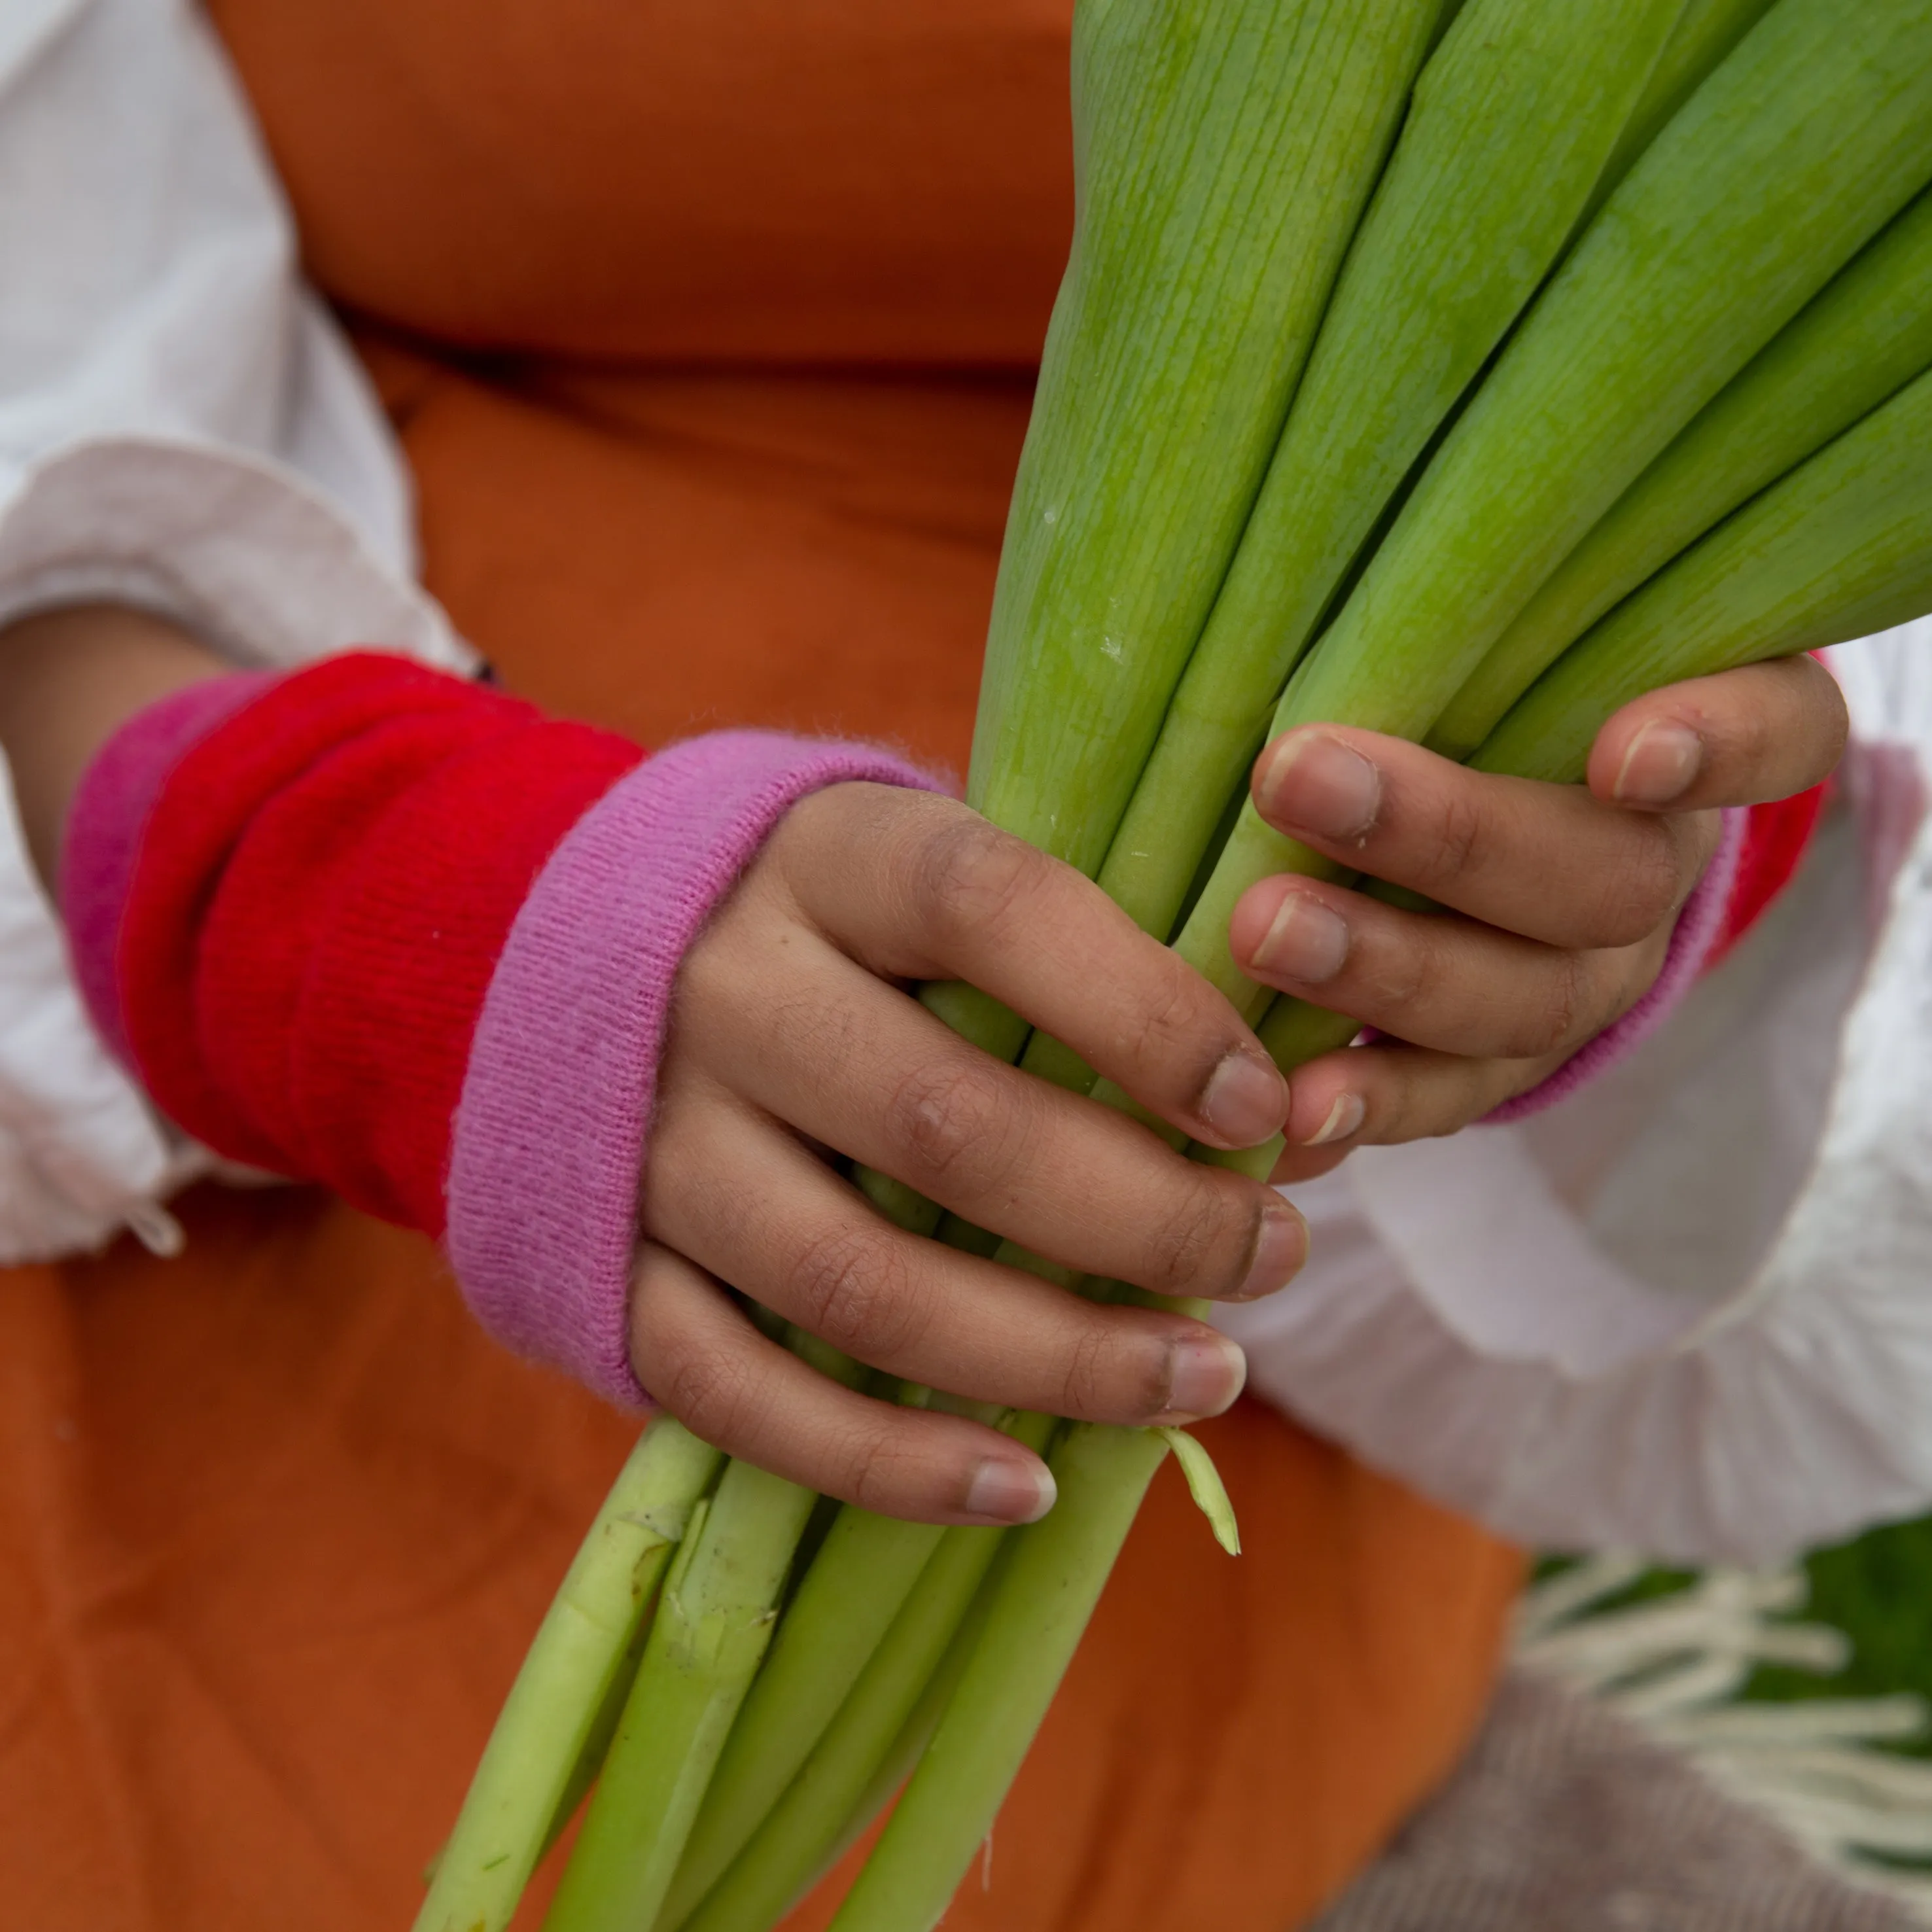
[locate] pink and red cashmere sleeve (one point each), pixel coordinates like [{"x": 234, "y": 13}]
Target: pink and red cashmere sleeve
[
  {"x": 372, "y": 925},
  {"x": 369, "y": 925}
]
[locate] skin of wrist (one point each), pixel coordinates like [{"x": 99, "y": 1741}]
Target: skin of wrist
[{"x": 70, "y": 679}]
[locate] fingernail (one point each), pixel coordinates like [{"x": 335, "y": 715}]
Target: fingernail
[
  {"x": 1281, "y": 1246},
  {"x": 1307, "y": 942},
  {"x": 1004, "y": 1492},
  {"x": 1660, "y": 765},
  {"x": 1316, "y": 784},
  {"x": 1344, "y": 1118},
  {"x": 1245, "y": 1101},
  {"x": 1203, "y": 1378}
]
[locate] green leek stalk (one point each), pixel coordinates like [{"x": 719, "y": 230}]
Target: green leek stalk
[
  {"x": 714, "y": 1619},
  {"x": 866, "y": 1572},
  {"x": 1510, "y": 124},
  {"x": 916, "y": 1733},
  {"x": 821, "y": 1806},
  {"x": 849, "y": 1598},
  {"x": 1705, "y": 34},
  {"x": 1839, "y": 548},
  {"x": 528, "y": 1777},
  {"x": 1865, "y": 334},
  {"x": 1222, "y": 159},
  {"x": 1043, "y": 1598},
  {"x": 1814, "y": 133},
  {"x": 1224, "y": 155}
]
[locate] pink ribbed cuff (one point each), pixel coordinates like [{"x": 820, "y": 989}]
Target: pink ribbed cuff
[
  {"x": 547, "y": 1153},
  {"x": 1699, "y": 926},
  {"x": 112, "y": 805}
]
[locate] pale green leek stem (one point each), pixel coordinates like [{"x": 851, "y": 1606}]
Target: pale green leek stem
[
  {"x": 835, "y": 1792},
  {"x": 1864, "y": 336},
  {"x": 849, "y": 1598},
  {"x": 1509, "y": 129},
  {"x": 1841, "y": 548},
  {"x": 1804, "y": 143},
  {"x": 903, "y": 1756},
  {"x": 714, "y": 1621},
  {"x": 1045, "y": 1595},
  {"x": 1222, "y": 169},
  {"x": 524, "y": 1783}
]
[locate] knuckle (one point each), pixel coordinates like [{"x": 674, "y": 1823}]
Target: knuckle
[
  {"x": 1189, "y": 1242},
  {"x": 1565, "y": 1013},
  {"x": 1168, "y": 1022},
  {"x": 1451, "y": 844},
  {"x": 1110, "y": 1374},
  {"x": 710, "y": 1394},
  {"x": 971, "y": 878},
  {"x": 882, "y": 1471},
  {"x": 849, "y": 1286},
  {"x": 956, "y": 1121},
  {"x": 1640, "y": 890},
  {"x": 1395, "y": 974}
]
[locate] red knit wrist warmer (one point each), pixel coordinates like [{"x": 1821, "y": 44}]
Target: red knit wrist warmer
[
  {"x": 1776, "y": 838},
  {"x": 323, "y": 886}
]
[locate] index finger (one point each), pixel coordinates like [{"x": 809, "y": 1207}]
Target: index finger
[
  {"x": 924, "y": 889},
  {"x": 1763, "y": 731}
]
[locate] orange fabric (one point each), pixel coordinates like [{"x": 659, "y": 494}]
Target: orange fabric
[
  {"x": 665, "y": 551},
  {"x": 276, "y": 1521},
  {"x": 781, "y": 180}
]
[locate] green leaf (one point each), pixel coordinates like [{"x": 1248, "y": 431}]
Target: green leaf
[{"x": 1205, "y": 1486}]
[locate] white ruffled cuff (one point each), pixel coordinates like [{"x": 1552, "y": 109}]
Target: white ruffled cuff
[
  {"x": 245, "y": 553},
  {"x": 1689, "y": 1310}
]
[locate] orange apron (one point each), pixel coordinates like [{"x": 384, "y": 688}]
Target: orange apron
[{"x": 708, "y": 330}]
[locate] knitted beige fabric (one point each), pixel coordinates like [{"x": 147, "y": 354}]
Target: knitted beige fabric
[{"x": 1564, "y": 1818}]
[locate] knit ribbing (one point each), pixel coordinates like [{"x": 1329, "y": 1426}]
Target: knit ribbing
[{"x": 551, "y": 1131}]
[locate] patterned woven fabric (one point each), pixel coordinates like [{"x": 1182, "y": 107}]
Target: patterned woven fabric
[{"x": 1563, "y": 1818}]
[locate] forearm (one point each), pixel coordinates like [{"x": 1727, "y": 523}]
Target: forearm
[{"x": 69, "y": 679}]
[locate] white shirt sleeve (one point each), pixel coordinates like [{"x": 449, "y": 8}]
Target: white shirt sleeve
[
  {"x": 1689, "y": 1310},
  {"x": 182, "y": 428}
]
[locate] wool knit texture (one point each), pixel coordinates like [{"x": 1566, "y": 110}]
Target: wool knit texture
[
  {"x": 1777, "y": 837},
  {"x": 321, "y": 883},
  {"x": 112, "y": 806},
  {"x": 551, "y": 1138}
]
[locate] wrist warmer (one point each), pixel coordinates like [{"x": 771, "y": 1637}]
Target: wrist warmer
[
  {"x": 294, "y": 902},
  {"x": 542, "y": 1210},
  {"x": 1759, "y": 852}
]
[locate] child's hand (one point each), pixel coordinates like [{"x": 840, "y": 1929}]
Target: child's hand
[
  {"x": 1567, "y": 895},
  {"x": 788, "y": 1039}
]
